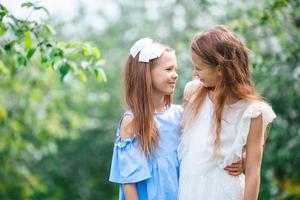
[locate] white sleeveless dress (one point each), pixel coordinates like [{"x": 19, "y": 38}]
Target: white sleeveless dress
[{"x": 202, "y": 175}]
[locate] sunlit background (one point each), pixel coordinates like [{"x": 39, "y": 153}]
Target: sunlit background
[{"x": 56, "y": 137}]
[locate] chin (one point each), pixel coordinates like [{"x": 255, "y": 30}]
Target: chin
[{"x": 170, "y": 92}]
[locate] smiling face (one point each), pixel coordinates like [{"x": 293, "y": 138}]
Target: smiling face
[
  {"x": 164, "y": 75},
  {"x": 207, "y": 74}
]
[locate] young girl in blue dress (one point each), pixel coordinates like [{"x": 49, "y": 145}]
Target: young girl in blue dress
[{"x": 145, "y": 161}]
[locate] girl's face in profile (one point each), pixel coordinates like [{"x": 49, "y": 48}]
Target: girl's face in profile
[
  {"x": 164, "y": 75},
  {"x": 206, "y": 73}
]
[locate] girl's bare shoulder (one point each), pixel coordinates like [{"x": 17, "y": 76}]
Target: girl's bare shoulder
[{"x": 126, "y": 130}]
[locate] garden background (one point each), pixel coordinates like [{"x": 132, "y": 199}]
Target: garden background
[{"x": 60, "y": 85}]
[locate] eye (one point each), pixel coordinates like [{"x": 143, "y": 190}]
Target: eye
[
  {"x": 169, "y": 68},
  {"x": 197, "y": 68}
]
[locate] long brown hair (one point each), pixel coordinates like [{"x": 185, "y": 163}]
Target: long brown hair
[
  {"x": 220, "y": 47},
  {"x": 138, "y": 96}
]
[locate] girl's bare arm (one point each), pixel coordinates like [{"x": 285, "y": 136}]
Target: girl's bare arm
[
  {"x": 125, "y": 132},
  {"x": 130, "y": 191},
  {"x": 254, "y": 149}
]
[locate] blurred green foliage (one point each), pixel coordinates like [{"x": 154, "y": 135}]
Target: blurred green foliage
[
  {"x": 21, "y": 39},
  {"x": 56, "y": 137}
]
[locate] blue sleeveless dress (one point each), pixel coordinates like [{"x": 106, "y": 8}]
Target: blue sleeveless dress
[{"x": 157, "y": 177}]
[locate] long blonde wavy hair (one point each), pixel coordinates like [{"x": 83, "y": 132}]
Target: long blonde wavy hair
[{"x": 138, "y": 97}]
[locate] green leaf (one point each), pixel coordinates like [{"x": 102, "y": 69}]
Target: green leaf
[
  {"x": 73, "y": 66},
  {"x": 3, "y": 69},
  {"x": 49, "y": 30},
  {"x": 21, "y": 60},
  {"x": 42, "y": 8},
  {"x": 2, "y": 29},
  {"x": 96, "y": 52},
  {"x": 100, "y": 74},
  {"x": 82, "y": 76},
  {"x": 100, "y": 62},
  {"x": 27, "y": 40},
  {"x": 3, "y": 13},
  {"x": 64, "y": 69},
  {"x": 2, "y": 50},
  {"x": 72, "y": 53},
  {"x": 74, "y": 44},
  {"x": 8, "y": 46},
  {"x": 30, "y": 53},
  {"x": 86, "y": 49},
  {"x": 56, "y": 53},
  {"x": 27, "y": 4},
  {"x": 44, "y": 57}
]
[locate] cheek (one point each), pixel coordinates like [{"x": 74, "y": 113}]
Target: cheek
[
  {"x": 202, "y": 74},
  {"x": 213, "y": 77},
  {"x": 209, "y": 74}
]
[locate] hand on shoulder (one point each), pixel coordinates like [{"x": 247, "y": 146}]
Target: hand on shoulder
[{"x": 190, "y": 89}]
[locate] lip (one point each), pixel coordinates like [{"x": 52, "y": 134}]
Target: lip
[{"x": 172, "y": 84}]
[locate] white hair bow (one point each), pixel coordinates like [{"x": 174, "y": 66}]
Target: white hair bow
[{"x": 147, "y": 49}]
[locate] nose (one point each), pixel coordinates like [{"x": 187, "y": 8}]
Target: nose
[
  {"x": 174, "y": 75},
  {"x": 195, "y": 72}
]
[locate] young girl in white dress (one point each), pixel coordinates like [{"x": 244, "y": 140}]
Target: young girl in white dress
[{"x": 223, "y": 118}]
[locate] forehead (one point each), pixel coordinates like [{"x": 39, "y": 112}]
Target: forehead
[
  {"x": 167, "y": 58},
  {"x": 197, "y": 60}
]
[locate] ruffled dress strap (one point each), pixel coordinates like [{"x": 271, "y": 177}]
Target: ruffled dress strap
[
  {"x": 252, "y": 110},
  {"x": 129, "y": 163}
]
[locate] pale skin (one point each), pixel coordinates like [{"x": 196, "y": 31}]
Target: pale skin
[
  {"x": 255, "y": 141},
  {"x": 254, "y": 149},
  {"x": 129, "y": 188}
]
